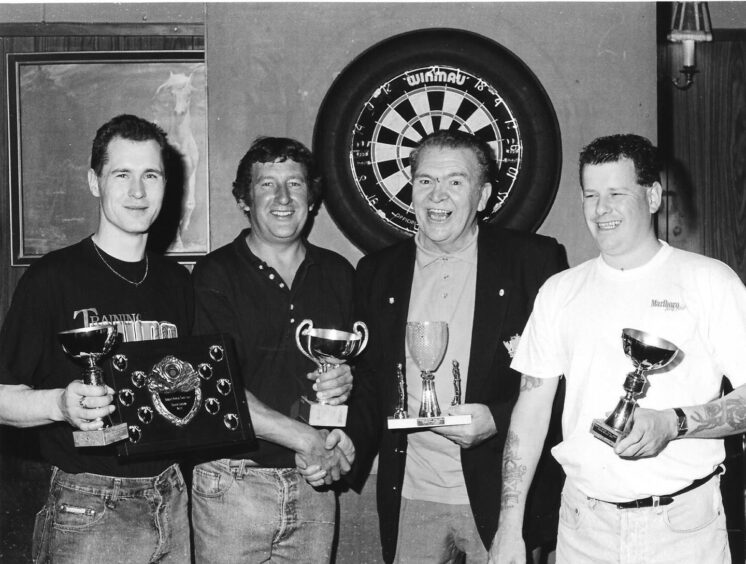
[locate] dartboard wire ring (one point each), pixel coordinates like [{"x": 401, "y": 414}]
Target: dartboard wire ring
[{"x": 420, "y": 118}]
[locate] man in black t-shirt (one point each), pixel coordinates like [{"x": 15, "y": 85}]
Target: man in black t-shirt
[{"x": 99, "y": 509}]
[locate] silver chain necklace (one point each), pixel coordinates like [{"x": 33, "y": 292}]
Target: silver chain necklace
[{"x": 135, "y": 284}]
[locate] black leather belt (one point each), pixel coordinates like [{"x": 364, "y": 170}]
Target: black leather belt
[{"x": 666, "y": 499}]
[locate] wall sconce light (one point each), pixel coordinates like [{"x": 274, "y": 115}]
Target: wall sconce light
[{"x": 690, "y": 23}]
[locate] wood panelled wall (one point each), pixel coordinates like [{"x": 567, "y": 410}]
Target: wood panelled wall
[
  {"x": 703, "y": 135},
  {"x": 23, "y": 478}
]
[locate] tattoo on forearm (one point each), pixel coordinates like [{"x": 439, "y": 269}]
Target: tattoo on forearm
[
  {"x": 513, "y": 472},
  {"x": 710, "y": 417},
  {"x": 721, "y": 413},
  {"x": 735, "y": 413},
  {"x": 529, "y": 383}
]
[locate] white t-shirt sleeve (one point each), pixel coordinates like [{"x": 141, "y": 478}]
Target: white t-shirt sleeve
[
  {"x": 726, "y": 328},
  {"x": 539, "y": 353}
]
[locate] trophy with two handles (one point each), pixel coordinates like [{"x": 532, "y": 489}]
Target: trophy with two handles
[{"x": 327, "y": 347}]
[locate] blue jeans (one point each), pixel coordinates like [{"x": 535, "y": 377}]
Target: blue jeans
[
  {"x": 244, "y": 513},
  {"x": 691, "y": 529},
  {"x": 91, "y": 518},
  {"x": 437, "y": 533}
]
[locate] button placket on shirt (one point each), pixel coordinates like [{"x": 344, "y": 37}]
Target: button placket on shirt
[{"x": 275, "y": 278}]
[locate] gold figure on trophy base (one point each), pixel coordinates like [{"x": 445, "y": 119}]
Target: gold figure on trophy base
[
  {"x": 90, "y": 345},
  {"x": 401, "y": 407},
  {"x": 647, "y": 353},
  {"x": 327, "y": 347},
  {"x": 427, "y": 342}
]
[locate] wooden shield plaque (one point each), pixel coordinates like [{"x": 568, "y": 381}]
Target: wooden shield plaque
[{"x": 178, "y": 395}]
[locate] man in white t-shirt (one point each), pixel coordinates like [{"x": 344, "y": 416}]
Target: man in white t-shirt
[{"x": 654, "y": 496}]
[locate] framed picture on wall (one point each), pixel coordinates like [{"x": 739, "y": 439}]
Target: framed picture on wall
[{"x": 56, "y": 103}]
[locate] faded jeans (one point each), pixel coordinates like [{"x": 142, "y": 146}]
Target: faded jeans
[
  {"x": 244, "y": 513},
  {"x": 91, "y": 518},
  {"x": 437, "y": 533},
  {"x": 691, "y": 529}
]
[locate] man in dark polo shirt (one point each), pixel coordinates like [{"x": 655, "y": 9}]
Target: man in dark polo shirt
[{"x": 256, "y": 506}]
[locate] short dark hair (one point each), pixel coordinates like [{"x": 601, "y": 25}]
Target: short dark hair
[
  {"x": 457, "y": 139},
  {"x": 613, "y": 148},
  {"x": 276, "y": 149},
  {"x": 128, "y": 127}
]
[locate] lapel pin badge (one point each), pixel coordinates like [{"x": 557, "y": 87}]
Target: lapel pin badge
[
  {"x": 391, "y": 300},
  {"x": 501, "y": 293}
]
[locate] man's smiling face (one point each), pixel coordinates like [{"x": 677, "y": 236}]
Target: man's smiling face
[
  {"x": 447, "y": 194},
  {"x": 279, "y": 201},
  {"x": 130, "y": 187},
  {"x": 618, "y": 210}
]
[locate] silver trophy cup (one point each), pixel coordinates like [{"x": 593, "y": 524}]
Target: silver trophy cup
[
  {"x": 647, "y": 353},
  {"x": 88, "y": 346},
  {"x": 328, "y": 347}
]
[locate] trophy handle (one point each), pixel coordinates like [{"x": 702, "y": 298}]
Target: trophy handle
[
  {"x": 360, "y": 327},
  {"x": 304, "y": 325}
]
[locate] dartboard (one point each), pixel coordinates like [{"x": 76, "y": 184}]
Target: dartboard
[{"x": 392, "y": 95}]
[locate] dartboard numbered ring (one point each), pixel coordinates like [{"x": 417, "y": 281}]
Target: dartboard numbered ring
[{"x": 410, "y": 85}]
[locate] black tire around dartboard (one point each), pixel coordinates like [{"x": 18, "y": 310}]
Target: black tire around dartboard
[{"x": 406, "y": 86}]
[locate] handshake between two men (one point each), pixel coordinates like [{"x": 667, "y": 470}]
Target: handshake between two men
[{"x": 324, "y": 456}]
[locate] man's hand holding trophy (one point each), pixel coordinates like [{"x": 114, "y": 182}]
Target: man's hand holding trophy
[
  {"x": 327, "y": 347},
  {"x": 88, "y": 346},
  {"x": 647, "y": 353}
]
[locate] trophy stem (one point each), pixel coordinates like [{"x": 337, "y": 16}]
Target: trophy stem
[
  {"x": 633, "y": 386},
  {"x": 429, "y": 406},
  {"x": 93, "y": 376},
  {"x": 619, "y": 418}
]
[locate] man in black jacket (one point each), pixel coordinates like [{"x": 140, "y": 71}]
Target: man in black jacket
[{"x": 439, "y": 488}]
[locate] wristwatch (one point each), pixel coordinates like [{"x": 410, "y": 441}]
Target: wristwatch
[{"x": 681, "y": 424}]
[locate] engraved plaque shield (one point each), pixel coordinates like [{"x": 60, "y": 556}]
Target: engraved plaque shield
[{"x": 177, "y": 395}]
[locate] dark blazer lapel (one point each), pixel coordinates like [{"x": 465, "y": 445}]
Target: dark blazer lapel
[
  {"x": 494, "y": 286},
  {"x": 398, "y": 289}
]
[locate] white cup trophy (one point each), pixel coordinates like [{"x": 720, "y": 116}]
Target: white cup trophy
[
  {"x": 427, "y": 342},
  {"x": 327, "y": 347}
]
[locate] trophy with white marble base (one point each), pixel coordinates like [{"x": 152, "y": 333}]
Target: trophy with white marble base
[{"x": 327, "y": 347}]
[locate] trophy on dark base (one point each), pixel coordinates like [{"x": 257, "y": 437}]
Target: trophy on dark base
[
  {"x": 327, "y": 347},
  {"x": 89, "y": 345},
  {"x": 427, "y": 342},
  {"x": 647, "y": 353}
]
